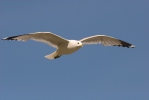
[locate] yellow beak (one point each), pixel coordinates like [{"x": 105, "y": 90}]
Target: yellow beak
[{"x": 81, "y": 45}]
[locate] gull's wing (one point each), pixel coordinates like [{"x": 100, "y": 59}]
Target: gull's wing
[
  {"x": 106, "y": 41},
  {"x": 45, "y": 37}
]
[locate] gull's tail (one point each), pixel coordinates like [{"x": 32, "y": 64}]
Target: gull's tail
[{"x": 53, "y": 55}]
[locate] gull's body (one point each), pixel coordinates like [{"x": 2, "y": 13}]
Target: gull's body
[
  {"x": 69, "y": 48},
  {"x": 65, "y": 46}
]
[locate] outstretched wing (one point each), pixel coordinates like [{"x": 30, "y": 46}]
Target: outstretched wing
[
  {"x": 45, "y": 37},
  {"x": 106, "y": 41}
]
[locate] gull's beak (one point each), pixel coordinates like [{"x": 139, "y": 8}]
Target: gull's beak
[{"x": 81, "y": 45}]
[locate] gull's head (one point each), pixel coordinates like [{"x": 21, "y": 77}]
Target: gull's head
[
  {"x": 80, "y": 43},
  {"x": 75, "y": 44}
]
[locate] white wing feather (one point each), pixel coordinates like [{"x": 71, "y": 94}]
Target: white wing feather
[
  {"x": 106, "y": 41},
  {"x": 45, "y": 37}
]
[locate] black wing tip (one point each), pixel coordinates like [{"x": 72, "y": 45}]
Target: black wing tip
[
  {"x": 126, "y": 44},
  {"x": 9, "y": 38},
  {"x": 12, "y": 37}
]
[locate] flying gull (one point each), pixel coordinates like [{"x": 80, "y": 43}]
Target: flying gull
[{"x": 65, "y": 46}]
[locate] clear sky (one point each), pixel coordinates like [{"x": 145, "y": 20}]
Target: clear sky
[{"x": 94, "y": 72}]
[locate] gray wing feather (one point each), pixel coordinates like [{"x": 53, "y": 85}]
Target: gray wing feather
[
  {"x": 45, "y": 37},
  {"x": 106, "y": 41}
]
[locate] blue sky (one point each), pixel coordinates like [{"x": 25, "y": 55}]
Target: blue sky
[{"x": 94, "y": 72}]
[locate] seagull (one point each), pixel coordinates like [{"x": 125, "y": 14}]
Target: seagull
[{"x": 64, "y": 46}]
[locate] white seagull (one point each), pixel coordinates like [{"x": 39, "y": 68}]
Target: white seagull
[{"x": 65, "y": 46}]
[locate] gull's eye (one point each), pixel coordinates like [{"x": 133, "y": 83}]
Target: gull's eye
[{"x": 78, "y": 42}]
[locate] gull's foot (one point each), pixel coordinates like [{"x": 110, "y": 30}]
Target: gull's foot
[{"x": 57, "y": 56}]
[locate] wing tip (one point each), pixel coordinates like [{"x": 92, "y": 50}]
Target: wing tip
[
  {"x": 132, "y": 46},
  {"x": 9, "y": 38},
  {"x": 128, "y": 46},
  {"x": 4, "y": 38}
]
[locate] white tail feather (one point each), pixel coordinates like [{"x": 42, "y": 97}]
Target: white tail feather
[{"x": 51, "y": 56}]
